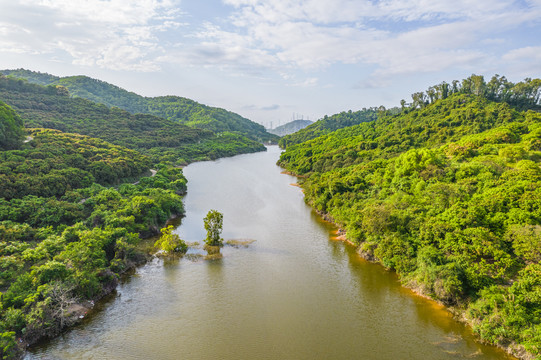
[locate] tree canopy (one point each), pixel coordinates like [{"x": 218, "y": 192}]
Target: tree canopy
[
  {"x": 64, "y": 236},
  {"x": 328, "y": 124},
  {"x": 161, "y": 139},
  {"x": 213, "y": 225},
  {"x": 174, "y": 108},
  {"x": 446, "y": 193},
  {"x": 169, "y": 242},
  {"x": 11, "y": 128}
]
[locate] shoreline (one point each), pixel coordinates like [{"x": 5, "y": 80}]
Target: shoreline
[
  {"x": 77, "y": 312},
  {"x": 513, "y": 349}
]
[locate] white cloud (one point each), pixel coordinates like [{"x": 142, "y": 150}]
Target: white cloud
[
  {"x": 397, "y": 36},
  {"x": 531, "y": 53},
  {"x": 309, "y": 82},
  {"x": 390, "y": 36},
  {"x": 119, "y": 12},
  {"x": 525, "y": 61},
  {"x": 114, "y": 34}
]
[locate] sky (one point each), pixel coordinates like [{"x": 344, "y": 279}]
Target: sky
[{"x": 275, "y": 60}]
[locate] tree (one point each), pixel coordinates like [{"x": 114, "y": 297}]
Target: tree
[
  {"x": 432, "y": 94},
  {"x": 213, "y": 224},
  {"x": 8, "y": 345},
  {"x": 419, "y": 100},
  {"x": 170, "y": 242},
  {"x": 62, "y": 298},
  {"x": 478, "y": 85},
  {"x": 11, "y": 128}
]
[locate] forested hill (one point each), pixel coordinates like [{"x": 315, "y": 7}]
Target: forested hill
[
  {"x": 65, "y": 239},
  {"x": 174, "y": 108},
  {"x": 446, "y": 120},
  {"x": 328, "y": 124},
  {"x": 11, "y": 128},
  {"x": 162, "y": 139},
  {"x": 448, "y": 194}
]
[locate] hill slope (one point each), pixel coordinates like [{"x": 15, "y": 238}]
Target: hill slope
[
  {"x": 11, "y": 128},
  {"x": 328, "y": 124},
  {"x": 449, "y": 196},
  {"x": 64, "y": 238},
  {"x": 162, "y": 139},
  {"x": 174, "y": 108}
]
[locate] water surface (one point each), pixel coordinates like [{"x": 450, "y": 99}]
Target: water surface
[{"x": 293, "y": 294}]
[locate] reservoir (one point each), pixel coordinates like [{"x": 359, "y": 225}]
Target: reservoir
[{"x": 294, "y": 293}]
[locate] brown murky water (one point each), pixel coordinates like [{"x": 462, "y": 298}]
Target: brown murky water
[{"x": 294, "y": 293}]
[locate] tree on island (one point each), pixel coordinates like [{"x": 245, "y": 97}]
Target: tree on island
[
  {"x": 213, "y": 224},
  {"x": 170, "y": 242}
]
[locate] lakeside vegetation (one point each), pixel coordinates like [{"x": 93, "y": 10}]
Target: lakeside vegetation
[
  {"x": 448, "y": 194},
  {"x": 65, "y": 234},
  {"x": 175, "y": 108},
  {"x": 76, "y": 196}
]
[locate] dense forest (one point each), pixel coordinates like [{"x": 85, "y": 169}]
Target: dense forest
[
  {"x": 11, "y": 128},
  {"x": 76, "y": 197},
  {"x": 448, "y": 194},
  {"x": 173, "y": 108},
  {"x": 328, "y": 124},
  {"x": 65, "y": 234},
  {"x": 161, "y": 139}
]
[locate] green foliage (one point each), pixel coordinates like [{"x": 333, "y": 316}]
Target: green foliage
[
  {"x": 64, "y": 237},
  {"x": 34, "y": 77},
  {"x": 200, "y": 116},
  {"x": 501, "y": 313},
  {"x": 8, "y": 345},
  {"x": 445, "y": 121},
  {"x": 213, "y": 225},
  {"x": 11, "y": 128},
  {"x": 329, "y": 124},
  {"x": 162, "y": 139},
  {"x": 448, "y": 194},
  {"x": 54, "y": 162},
  {"x": 526, "y": 242},
  {"x": 174, "y": 108},
  {"x": 170, "y": 242}
]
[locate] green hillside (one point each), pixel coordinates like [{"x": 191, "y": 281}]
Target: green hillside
[
  {"x": 55, "y": 162},
  {"x": 65, "y": 239},
  {"x": 34, "y": 77},
  {"x": 174, "y": 108},
  {"x": 447, "y": 194},
  {"x": 52, "y": 107},
  {"x": 11, "y": 128},
  {"x": 328, "y": 124}
]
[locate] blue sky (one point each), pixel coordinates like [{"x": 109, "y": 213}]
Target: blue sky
[{"x": 274, "y": 59}]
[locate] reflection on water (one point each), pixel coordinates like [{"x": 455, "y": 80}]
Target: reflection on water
[{"x": 293, "y": 293}]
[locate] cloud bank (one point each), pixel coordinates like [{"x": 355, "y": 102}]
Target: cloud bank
[{"x": 392, "y": 37}]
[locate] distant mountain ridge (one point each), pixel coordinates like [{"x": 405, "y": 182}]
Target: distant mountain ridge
[
  {"x": 176, "y": 108},
  {"x": 290, "y": 127}
]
